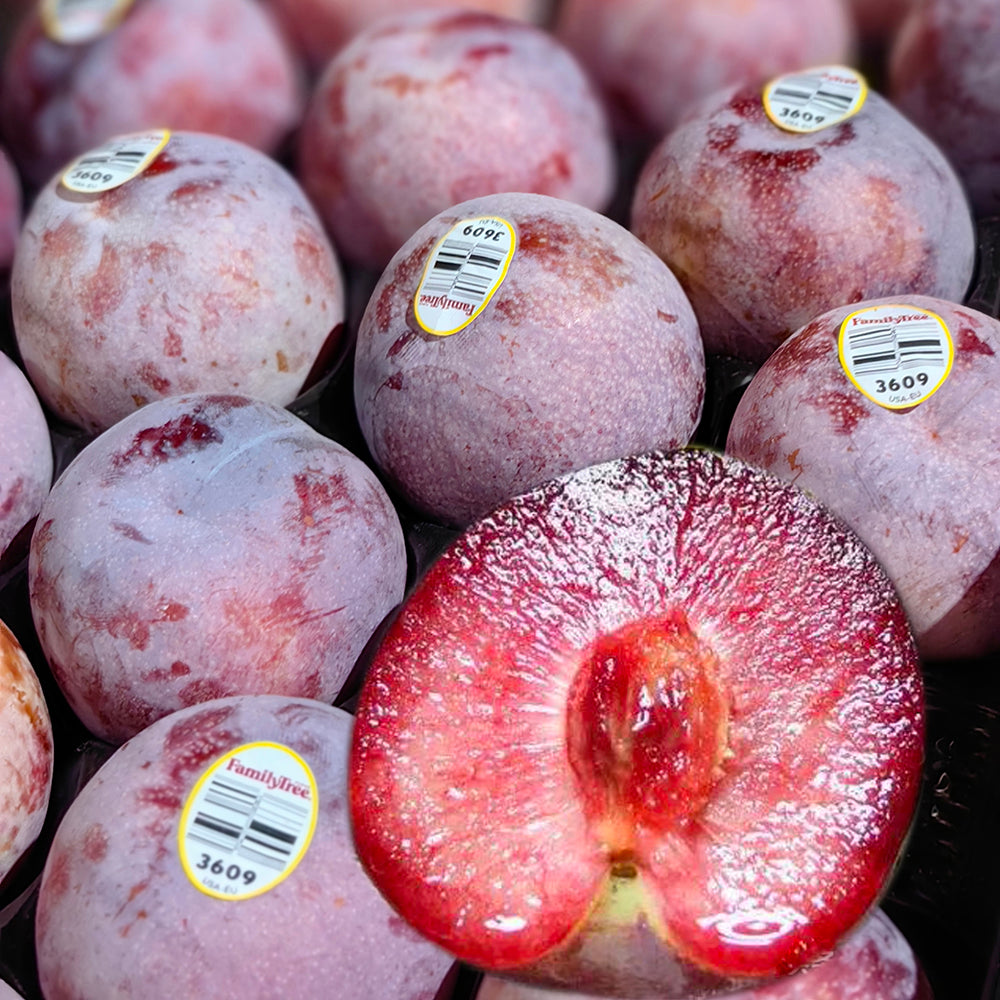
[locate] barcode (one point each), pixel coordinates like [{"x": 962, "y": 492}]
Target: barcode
[
  {"x": 886, "y": 349},
  {"x": 243, "y": 820},
  {"x": 828, "y": 94},
  {"x": 127, "y": 158},
  {"x": 463, "y": 269}
]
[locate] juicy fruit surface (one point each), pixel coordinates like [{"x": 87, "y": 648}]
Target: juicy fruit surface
[
  {"x": 209, "y": 546},
  {"x": 587, "y": 351},
  {"x": 918, "y": 486},
  {"x": 119, "y": 919},
  {"x": 470, "y": 799},
  {"x": 766, "y": 229}
]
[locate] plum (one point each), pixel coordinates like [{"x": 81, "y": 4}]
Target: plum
[
  {"x": 207, "y": 271},
  {"x": 652, "y": 59},
  {"x": 395, "y": 130},
  {"x": 141, "y": 898},
  {"x": 586, "y": 350},
  {"x": 219, "y": 66},
  {"x": 875, "y": 962},
  {"x": 209, "y": 546},
  {"x": 912, "y": 468},
  {"x": 654, "y": 728},
  {"x": 321, "y": 28},
  {"x": 10, "y": 213},
  {"x": 942, "y": 76},
  {"x": 26, "y": 753},
  {"x": 766, "y": 227},
  {"x": 26, "y": 460}
]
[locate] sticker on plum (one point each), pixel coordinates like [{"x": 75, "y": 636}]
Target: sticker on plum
[
  {"x": 76, "y": 22},
  {"x": 115, "y": 163},
  {"x": 248, "y": 821},
  {"x": 814, "y": 99},
  {"x": 462, "y": 273},
  {"x": 897, "y": 355}
]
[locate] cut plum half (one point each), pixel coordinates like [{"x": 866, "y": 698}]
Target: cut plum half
[{"x": 653, "y": 728}]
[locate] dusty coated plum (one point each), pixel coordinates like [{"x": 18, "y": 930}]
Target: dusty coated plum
[
  {"x": 209, "y": 546},
  {"x": 322, "y": 27},
  {"x": 118, "y": 917},
  {"x": 218, "y": 66},
  {"x": 26, "y": 461},
  {"x": 425, "y": 110},
  {"x": 918, "y": 482},
  {"x": 586, "y": 350},
  {"x": 209, "y": 271},
  {"x": 10, "y": 212},
  {"x": 653, "y": 58},
  {"x": 767, "y": 228},
  {"x": 25, "y": 753},
  {"x": 943, "y": 76}
]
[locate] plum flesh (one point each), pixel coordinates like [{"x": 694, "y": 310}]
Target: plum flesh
[{"x": 659, "y": 622}]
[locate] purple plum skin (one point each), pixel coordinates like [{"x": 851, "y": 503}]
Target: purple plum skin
[
  {"x": 587, "y": 351},
  {"x": 209, "y": 546},
  {"x": 11, "y": 208},
  {"x": 118, "y": 918}
]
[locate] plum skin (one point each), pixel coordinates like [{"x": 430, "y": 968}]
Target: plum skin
[{"x": 153, "y": 587}]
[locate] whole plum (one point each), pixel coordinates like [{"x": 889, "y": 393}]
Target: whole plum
[
  {"x": 220, "y": 66},
  {"x": 766, "y": 228},
  {"x": 208, "y": 271},
  {"x": 136, "y": 903},
  {"x": 26, "y": 460},
  {"x": 209, "y": 546},
  {"x": 395, "y": 130},
  {"x": 586, "y": 350},
  {"x": 653, "y": 58}
]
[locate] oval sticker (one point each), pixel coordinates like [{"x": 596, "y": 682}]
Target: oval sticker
[
  {"x": 248, "y": 821},
  {"x": 896, "y": 355},
  {"x": 814, "y": 99},
  {"x": 466, "y": 266},
  {"x": 75, "y": 22},
  {"x": 119, "y": 160}
]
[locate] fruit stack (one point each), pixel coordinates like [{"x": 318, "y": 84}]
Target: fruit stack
[{"x": 499, "y": 499}]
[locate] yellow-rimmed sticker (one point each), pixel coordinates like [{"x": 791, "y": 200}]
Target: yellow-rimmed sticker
[
  {"x": 75, "y": 22},
  {"x": 467, "y": 265},
  {"x": 897, "y": 355},
  {"x": 116, "y": 162},
  {"x": 814, "y": 99},
  {"x": 248, "y": 821}
]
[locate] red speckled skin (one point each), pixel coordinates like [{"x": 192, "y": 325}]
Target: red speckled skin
[
  {"x": 321, "y": 28},
  {"x": 118, "y": 919},
  {"x": 219, "y": 66},
  {"x": 25, "y": 452},
  {"x": 426, "y": 110},
  {"x": 653, "y": 59},
  {"x": 25, "y": 753},
  {"x": 942, "y": 75},
  {"x": 209, "y": 271},
  {"x": 874, "y": 963},
  {"x": 464, "y": 791},
  {"x": 918, "y": 486},
  {"x": 205, "y": 547},
  {"x": 766, "y": 229},
  {"x": 587, "y": 351}
]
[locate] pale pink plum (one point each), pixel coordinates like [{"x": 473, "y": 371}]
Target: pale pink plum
[
  {"x": 654, "y": 728},
  {"x": 209, "y": 271},
  {"x": 321, "y": 28},
  {"x": 588, "y": 350},
  {"x": 209, "y": 546},
  {"x": 10, "y": 212},
  {"x": 7, "y": 992},
  {"x": 118, "y": 917},
  {"x": 943, "y": 76},
  {"x": 654, "y": 58},
  {"x": 26, "y": 753},
  {"x": 875, "y": 962},
  {"x": 918, "y": 485},
  {"x": 26, "y": 460},
  {"x": 425, "y": 110},
  {"x": 220, "y": 66},
  {"x": 767, "y": 228}
]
